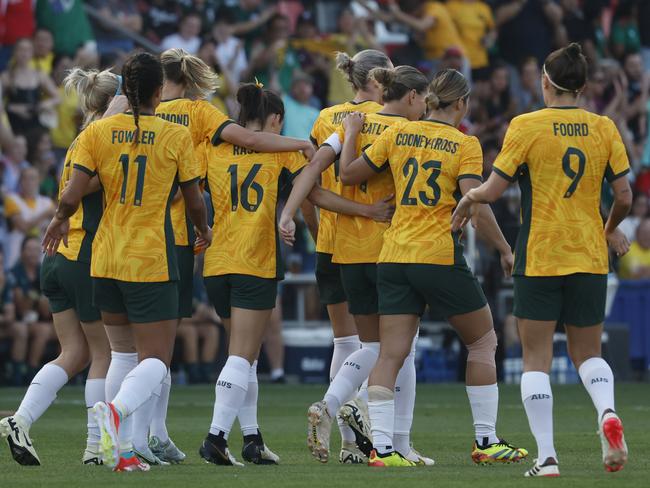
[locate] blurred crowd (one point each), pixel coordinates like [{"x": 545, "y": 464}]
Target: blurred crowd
[{"x": 289, "y": 46}]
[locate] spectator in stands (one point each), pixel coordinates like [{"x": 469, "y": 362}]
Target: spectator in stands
[
  {"x": 13, "y": 162},
  {"x": 638, "y": 94},
  {"x": 635, "y": 265},
  {"x": 68, "y": 112},
  {"x": 68, "y": 22},
  {"x": 40, "y": 154},
  {"x": 160, "y": 19},
  {"x": 529, "y": 94},
  {"x": 6, "y": 136},
  {"x": 497, "y": 105},
  {"x": 312, "y": 59},
  {"x": 230, "y": 51},
  {"x": 12, "y": 329},
  {"x": 43, "y": 51},
  {"x": 187, "y": 37},
  {"x": 200, "y": 338},
  {"x": 121, "y": 14},
  {"x": 250, "y": 18},
  {"x": 32, "y": 308},
  {"x": 16, "y": 22},
  {"x": 578, "y": 22},
  {"x": 639, "y": 211},
  {"x": 528, "y": 28},
  {"x": 300, "y": 113},
  {"x": 625, "y": 38},
  {"x": 30, "y": 93},
  {"x": 477, "y": 30},
  {"x": 28, "y": 213}
]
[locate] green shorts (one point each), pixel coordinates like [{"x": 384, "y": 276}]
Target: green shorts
[
  {"x": 328, "y": 278},
  {"x": 185, "y": 257},
  {"x": 576, "y": 299},
  {"x": 67, "y": 284},
  {"x": 360, "y": 285},
  {"x": 241, "y": 291},
  {"x": 408, "y": 288},
  {"x": 141, "y": 302}
]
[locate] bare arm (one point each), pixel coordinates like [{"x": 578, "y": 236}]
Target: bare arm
[
  {"x": 245, "y": 27},
  {"x": 310, "y": 216},
  {"x": 22, "y": 303},
  {"x": 381, "y": 211},
  {"x": 418, "y": 24},
  {"x": 195, "y": 206},
  {"x": 507, "y": 12},
  {"x": 49, "y": 88},
  {"x": 265, "y": 141},
  {"x": 469, "y": 205},
  {"x": 620, "y": 209}
]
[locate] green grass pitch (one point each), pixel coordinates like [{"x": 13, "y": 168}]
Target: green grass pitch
[{"x": 442, "y": 428}]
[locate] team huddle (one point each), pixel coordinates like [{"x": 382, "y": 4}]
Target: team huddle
[{"x": 395, "y": 180}]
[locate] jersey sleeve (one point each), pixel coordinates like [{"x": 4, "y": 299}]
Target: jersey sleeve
[
  {"x": 189, "y": 169},
  {"x": 314, "y": 135},
  {"x": 293, "y": 162},
  {"x": 211, "y": 121},
  {"x": 11, "y": 208},
  {"x": 513, "y": 153},
  {"x": 84, "y": 154},
  {"x": 471, "y": 160},
  {"x": 618, "y": 164},
  {"x": 377, "y": 155}
]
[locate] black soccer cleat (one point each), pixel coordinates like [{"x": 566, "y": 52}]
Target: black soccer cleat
[
  {"x": 256, "y": 452},
  {"x": 215, "y": 450}
]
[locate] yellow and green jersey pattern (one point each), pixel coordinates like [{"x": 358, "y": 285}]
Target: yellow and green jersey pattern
[
  {"x": 359, "y": 239},
  {"x": 84, "y": 222},
  {"x": 427, "y": 159},
  {"x": 139, "y": 172},
  {"x": 244, "y": 187},
  {"x": 559, "y": 157},
  {"x": 328, "y": 121},
  {"x": 204, "y": 122}
]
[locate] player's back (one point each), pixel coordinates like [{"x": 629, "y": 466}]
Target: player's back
[
  {"x": 563, "y": 155},
  {"x": 138, "y": 171}
]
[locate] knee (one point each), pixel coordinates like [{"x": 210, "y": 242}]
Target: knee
[
  {"x": 581, "y": 355},
  {"x": 395, "y": 353},
  {"x": 483, "y": 350}
]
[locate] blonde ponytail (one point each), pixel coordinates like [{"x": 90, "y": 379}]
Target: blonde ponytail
[
  {"x": 94, "y": 88},
  {"x": 182, "y": 68}
]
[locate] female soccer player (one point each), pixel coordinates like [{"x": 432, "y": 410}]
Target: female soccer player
[
  {"x": 65, "y": 280},
  {"x": 134, "y": 263},
  {"x": 187, "y": 83},
  {"x": 368, "y": 96},
  {"x": 421, "y": 262},
  {"x": 242, "y": 268},
  {"x": 559, "y": 156},
  {"x": 358, "y": 242}
]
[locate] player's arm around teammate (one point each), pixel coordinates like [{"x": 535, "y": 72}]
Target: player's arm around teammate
[{"x": 560, "y": 156}]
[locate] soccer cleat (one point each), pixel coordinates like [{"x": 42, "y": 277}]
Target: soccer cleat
[
  {"x": 20, "y": 445},
  {"x": 390, "y": 460},
  {"x": 217, "y": 453},
  {"x": 147, "y": 456},
  {"x": 549, "y": 469},
  {"x": 167, "y": 451},
  {"x": 256, "y": 452},
  {"x": 499, "y": 452},
  {"x": 91, "y": 456},
  {"x": 132, "y": 463},
  {"x": 319, "y": 430},
  {"x": 419, "y": 459},
  {"x": 613, "y": 442},
  {"x": 351, "y": 454},
  {"x": 355, "y": 416},
  {"x": 109, "y": 424}
]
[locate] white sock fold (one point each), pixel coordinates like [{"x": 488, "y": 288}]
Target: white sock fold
[
  {"x": 138, "y": 386},
  {"x": 158, "y": 425},
  {"x": 355, "y": 370},
  {"x": 405, "y": 403},
  {"x": 121, "y": 364},
  {"x": 142, "y": 419},
  {"x": 484, "y": 402},
  {"x": 537, "y": 397},
  {"x": 248, "y": 412},
  {"x": 343, "y": 347},
  {"x": 598, "y": 380},
  {"x": 42, "y": 392},
  {"x": 94, "y": 392},
  {"x": 381, "y": 409},
  {"x": 230, "y": 393}
]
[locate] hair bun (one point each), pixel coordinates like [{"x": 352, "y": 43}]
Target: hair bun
[
  {"x": 432, "y": 100},
  {"x": 574, "y": 50},
  {"x": 385, "y": 76},
  {"x": 344, "y": 62}
]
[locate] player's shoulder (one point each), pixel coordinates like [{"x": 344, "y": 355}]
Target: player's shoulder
[{"x": 387, "y": 119}]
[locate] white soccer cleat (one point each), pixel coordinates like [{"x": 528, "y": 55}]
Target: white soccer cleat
[
  {"x": 108, "y": 421},
  {"x": 92, "y": 456},
  {"x": 166, "y": 452},
  {"x": 16, "y": 432},
  {"x": 419, "y": 459},
  {"x": 351, "y": 454},
  {"x": 613, "y": 442},
  {"x": 149, "y": 457},
  {"x": 549, "y": 469},
  {"x": 319, "y": 431},
  {"x": 355, "y": 415}
]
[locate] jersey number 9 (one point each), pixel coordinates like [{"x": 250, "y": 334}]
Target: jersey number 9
[{"x": 574, "y": 175}]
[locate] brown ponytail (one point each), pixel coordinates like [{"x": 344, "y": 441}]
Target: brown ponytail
[
  {"x": 446, "y": 87},
  {"x": 256, "y": 104},
  {"x": 566, "y": 69},
  {"x": 397, "y": 82}
]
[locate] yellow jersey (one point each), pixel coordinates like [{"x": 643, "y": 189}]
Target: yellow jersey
[
  {"x": 244, "y": 187},
  {"x": 560, "y": 156},
  {"x": 427, "y": 159},
  {"x": 205, "y": 122},
  {"x": 473, "y": 21},
  {"x": 84, "y": 222},
  {"x": 443, "y": 34},
  {"x": 328, "y": 121},
  {"x": 139, "y": 173},
  {"x": 359, "y": 239}
]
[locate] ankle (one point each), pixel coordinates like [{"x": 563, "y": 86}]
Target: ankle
[{"x": 550, "y": 461}]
